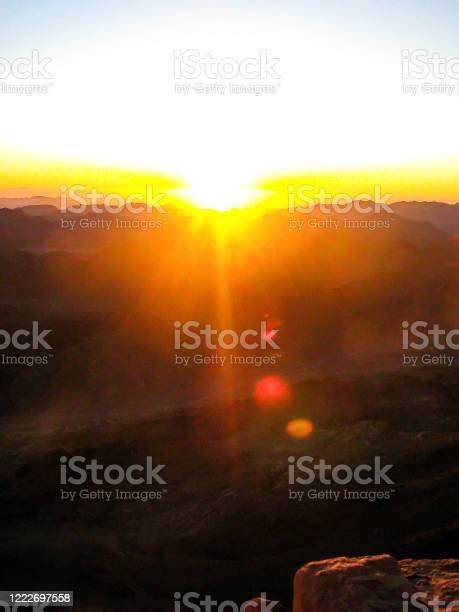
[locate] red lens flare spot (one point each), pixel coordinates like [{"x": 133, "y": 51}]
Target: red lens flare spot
[
  {"x": 272, "y": 392},
  {"x": 299, "y": 428}
]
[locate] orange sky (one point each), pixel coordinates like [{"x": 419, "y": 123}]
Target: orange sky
[{"x": 26, "y": 175}]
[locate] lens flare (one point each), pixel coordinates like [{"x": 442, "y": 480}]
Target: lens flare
[
  {"x": 299, "y": 428},
  {"x": 272, "y": 392}
]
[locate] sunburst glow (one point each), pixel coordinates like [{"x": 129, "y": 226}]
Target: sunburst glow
[{"x": 217, "y": 196}]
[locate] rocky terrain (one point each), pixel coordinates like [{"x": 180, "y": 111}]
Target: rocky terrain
[
  {"x": 372, "y": 584},
  {"x": 228, "y": 522},
  {"x": 227, "y": 473}
]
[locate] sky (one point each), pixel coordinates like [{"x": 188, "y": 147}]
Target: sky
[{"x": 336, "y": 102}]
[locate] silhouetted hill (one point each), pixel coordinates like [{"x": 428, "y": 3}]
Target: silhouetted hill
[{"x": 443, "y": 216}]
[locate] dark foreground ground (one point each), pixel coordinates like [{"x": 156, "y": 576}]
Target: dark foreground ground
[{"x": 225, "y": 524}]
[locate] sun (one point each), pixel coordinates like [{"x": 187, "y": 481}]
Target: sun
[
  {"x": 217, "y": 189},
  {"x": 215, "y": 196}
]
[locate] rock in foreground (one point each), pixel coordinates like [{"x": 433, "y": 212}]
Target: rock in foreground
[
  {"x": 360, "y": 584},
  {"x": 439, "y": 578}
]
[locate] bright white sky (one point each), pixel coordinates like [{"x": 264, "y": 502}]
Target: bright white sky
[{"x": 339, "y": 103}]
